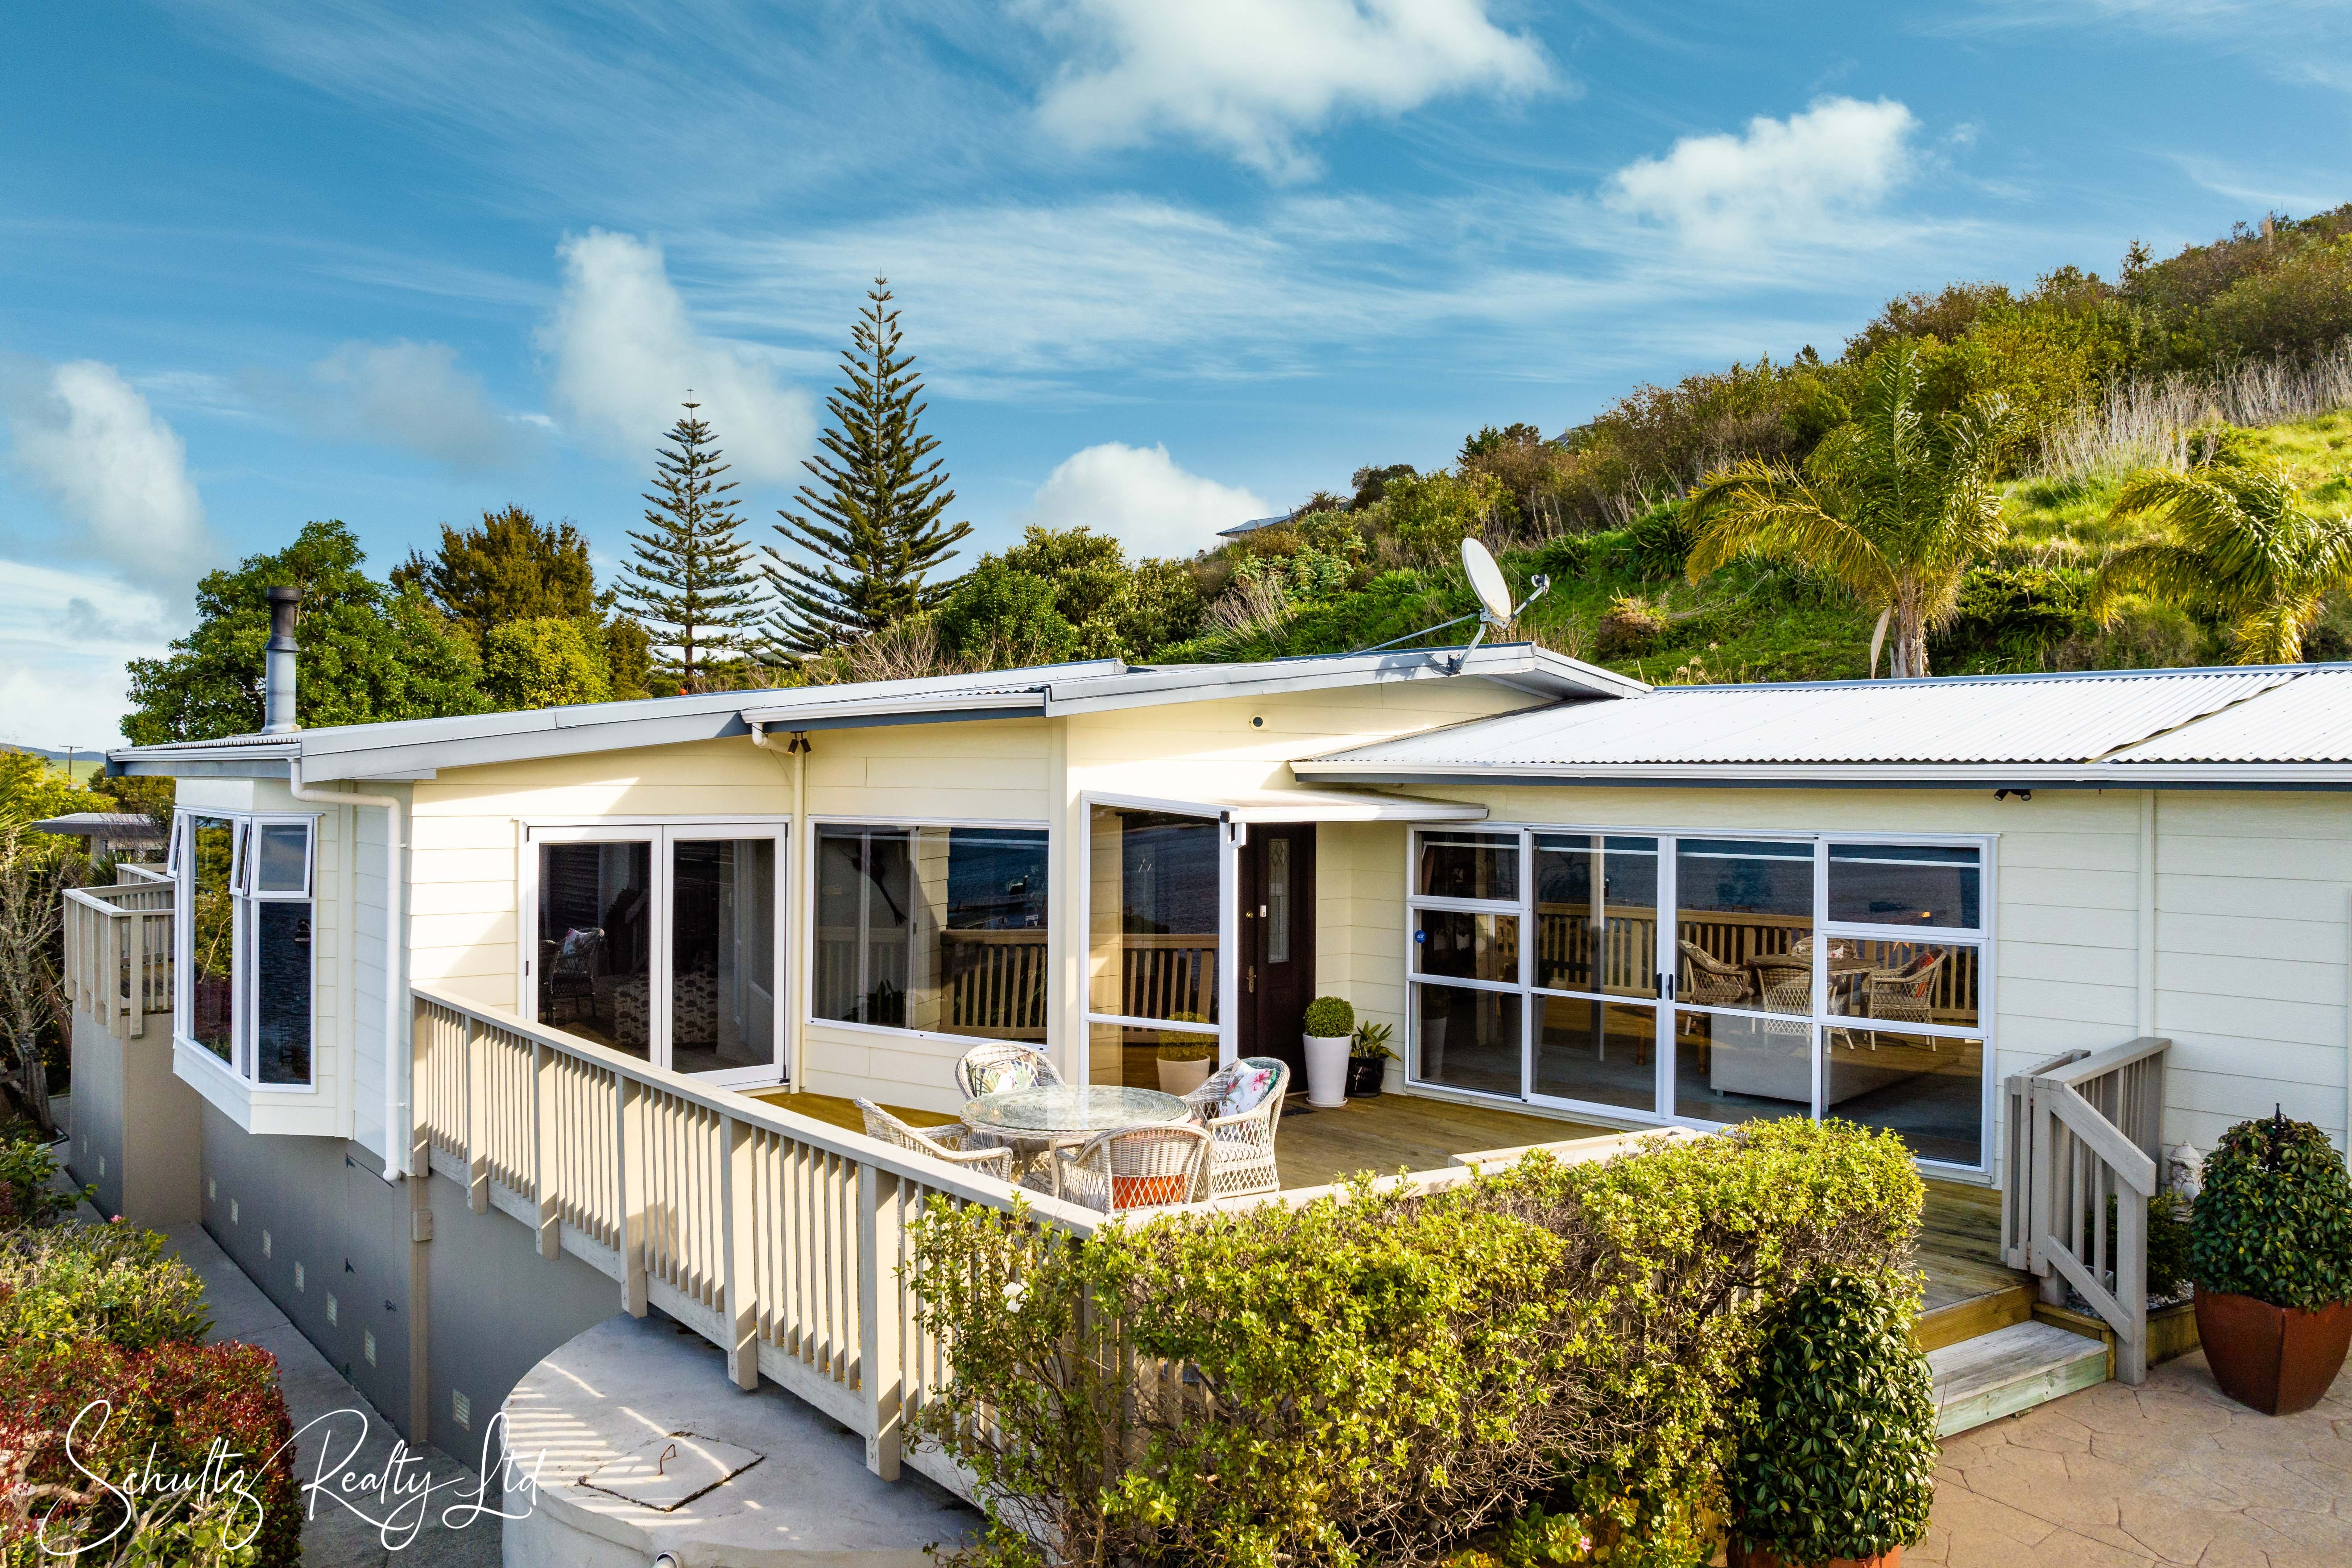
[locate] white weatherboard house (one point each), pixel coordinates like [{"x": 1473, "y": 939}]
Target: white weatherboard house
[{"x": 553, "y": 955}]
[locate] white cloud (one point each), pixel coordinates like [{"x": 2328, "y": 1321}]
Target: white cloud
[
  {"x": 624, "y": 355},
  {"x": 1805, "y": 180},
  {"x": 1139, "y": 497},
  {"x": 86, "y": 438},
  {"x": 1251, "y": 75},
  {"x": 61, "y": 656},
  {"x": 414, "y": 396}
]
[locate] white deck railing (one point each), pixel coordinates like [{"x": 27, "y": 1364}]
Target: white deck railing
[
  {"x": 2085, "y": 1134},
  {"x": 118, "y": 950},
  {"x": 780, "y": 1238}
]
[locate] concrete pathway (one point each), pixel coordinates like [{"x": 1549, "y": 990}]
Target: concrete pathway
[
  {"x": 2169, "y": 1472},
  {"x": 333, "y": 1537}
]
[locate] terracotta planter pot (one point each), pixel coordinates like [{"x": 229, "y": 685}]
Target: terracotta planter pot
[
  {"x": 1742, "y": 1555},
  {"x": 2278, "y": 1360}
]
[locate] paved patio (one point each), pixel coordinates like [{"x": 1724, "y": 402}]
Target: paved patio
[{"x": 2169, "y": 1472}]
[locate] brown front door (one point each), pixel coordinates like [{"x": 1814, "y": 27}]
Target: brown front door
[{"x": 1277, "y": 945}]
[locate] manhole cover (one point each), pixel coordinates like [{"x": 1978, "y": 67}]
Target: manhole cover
[{"x": 669, "y": 1471}]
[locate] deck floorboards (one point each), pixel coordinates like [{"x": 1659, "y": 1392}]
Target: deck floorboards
[{"x": 1959, "y": 1236}]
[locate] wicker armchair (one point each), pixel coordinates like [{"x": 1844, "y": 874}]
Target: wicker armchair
[
  {"x": 1710, "y": 981},
  {"x": 1906, "y": 996},
  {"x": 1242, "y": 1160},
  {"x": 952, "y": 1144},
  {"x": 1002, "y": 1069},
  {"x": 1136, "y": 1167}
]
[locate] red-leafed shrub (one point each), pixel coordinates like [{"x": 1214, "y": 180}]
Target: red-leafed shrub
[{"x": 177, "y": 1453}]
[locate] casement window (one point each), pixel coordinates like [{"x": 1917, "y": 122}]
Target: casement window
[
  {"x": 934, "y": 928},
  {"x": 1708, "y": 978},
  {"x": 662, "y": 939},
  {"x": 247, "y": 976}
]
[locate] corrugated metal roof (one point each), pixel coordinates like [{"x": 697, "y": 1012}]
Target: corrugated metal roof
[
  {"x": 2308, "y": 720},
  {"x": 1994, "y": 720}
]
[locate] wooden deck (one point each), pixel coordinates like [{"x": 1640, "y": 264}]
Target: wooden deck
[{"x": 1970, "y": 1291}]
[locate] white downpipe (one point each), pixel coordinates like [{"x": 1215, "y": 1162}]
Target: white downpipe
[{"x": 394, "y": 1138}]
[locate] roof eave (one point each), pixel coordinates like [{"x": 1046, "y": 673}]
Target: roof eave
[{"x": 1841, "y": 776}]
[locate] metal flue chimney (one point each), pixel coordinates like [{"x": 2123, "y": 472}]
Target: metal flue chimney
[{"x": 278, "y": 689}]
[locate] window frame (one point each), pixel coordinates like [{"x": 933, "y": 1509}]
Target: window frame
[
  {"x": 1981, "y": 938},
  {"x": 243, "y": 1065},
  {"x": 1231, "y": 836},
  {"x": 659, "y": 833},
  {"x": 818, "y": 822}
]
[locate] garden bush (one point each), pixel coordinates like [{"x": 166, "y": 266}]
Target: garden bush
[
  {"x": 1329, "y": 1016},
  {"x": 64, "y": 1286},
  {"x": 1839, "y": 1457},
  {"x": 1390, "y": 1374},
  {"x": 2274, "y": 1218}
]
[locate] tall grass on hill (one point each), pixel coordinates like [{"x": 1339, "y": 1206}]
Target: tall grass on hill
[{"x": 2151, "y": 423}]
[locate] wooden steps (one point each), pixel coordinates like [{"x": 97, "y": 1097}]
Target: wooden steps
[
  {"x": 1966, "y": 1320},
  {"x": 2013, "y": 1369}
]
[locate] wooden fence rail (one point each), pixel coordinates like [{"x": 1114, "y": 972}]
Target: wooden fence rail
[
  {"x": 118, "y": 943},
  {"x": 2083, "y": 1150},
  {"x": 781, "y": 1239}
]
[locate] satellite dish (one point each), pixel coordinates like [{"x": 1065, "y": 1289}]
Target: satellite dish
[{"x": 1487, "y": 581}]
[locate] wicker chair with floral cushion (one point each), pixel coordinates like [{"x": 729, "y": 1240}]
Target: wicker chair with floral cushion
[
  {"x": 1240, "y": 1106},
  {"x": 1000, "y": 1067},
  {"x": 1135, "y": 1168},
  {"x": 954, "y": 1144},
  {"x": 1710, "y": 981}
]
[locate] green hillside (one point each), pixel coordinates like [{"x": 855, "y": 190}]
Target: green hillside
[{"x": 1620, "y": 598}]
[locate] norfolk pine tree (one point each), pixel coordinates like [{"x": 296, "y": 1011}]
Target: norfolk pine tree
[
  {"x": 873, "y": 520},
  {"x": 690, "y": 580}
]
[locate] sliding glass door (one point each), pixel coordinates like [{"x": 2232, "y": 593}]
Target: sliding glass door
[
  {"x": 665, "y": 941},
  {"x": 1707, "y": 980}
]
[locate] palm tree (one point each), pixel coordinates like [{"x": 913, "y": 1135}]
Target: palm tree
[
  {"x": 2237, "y": 543},
  {"x": 1894, "y": 504}
]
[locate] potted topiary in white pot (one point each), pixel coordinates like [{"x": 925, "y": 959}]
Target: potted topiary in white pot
[
  {"x": 1184, "y": 1058},
  {"x": 1330, "y": 1026}
]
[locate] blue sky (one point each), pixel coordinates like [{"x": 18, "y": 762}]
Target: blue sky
[{"x": 1166, "y": 266}]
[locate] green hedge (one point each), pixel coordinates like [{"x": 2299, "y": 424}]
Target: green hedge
[{"x": 1391, "y": 1376}]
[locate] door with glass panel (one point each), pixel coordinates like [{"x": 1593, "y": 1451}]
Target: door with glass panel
[
  {"x": 1596, "y": 1015},
  {"x": 665, "y": 943}
]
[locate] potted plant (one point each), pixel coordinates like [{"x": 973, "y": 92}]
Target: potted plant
[
  {"x": 1330, "y": 1023},
  {"x": 1184, "y": 1058},
  {"x": 2270, "y": 1248},
  {"x": 1836, "y": 1463},
  {"x": 1368, "y": 1059}
]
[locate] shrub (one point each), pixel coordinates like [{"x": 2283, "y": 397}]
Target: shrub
[
  {"x": 1383, "y": 1377},
  {"x": 2274, "y": 1219},
  {"x": 1330, "y": 1015},
  {"x": 1630, "y": 624},
  {"x": 165, "y": 1410},
  {"x": 29, "y": 1194},
  {"x": 1372, "y": 1043},
  {"x": 1839, "y": 1458},
  {"x": 545, "y": 662},
  {"x": 64, "y": 1287}
]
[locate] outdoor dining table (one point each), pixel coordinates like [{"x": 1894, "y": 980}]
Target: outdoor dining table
[{"x": 1034, "y": 1122}]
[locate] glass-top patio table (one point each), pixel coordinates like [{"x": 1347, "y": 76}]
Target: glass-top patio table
[{"x": 1035, "y": 1122}]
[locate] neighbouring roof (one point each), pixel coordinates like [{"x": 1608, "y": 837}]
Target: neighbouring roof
[
  {"x": 417, "y": 748},
  {"x": 115, "y": 826},
  {"x": 1254, "y": 524},
  {"x": 2281, "y": 725}
]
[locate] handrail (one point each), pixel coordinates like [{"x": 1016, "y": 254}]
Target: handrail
[
  {"x": 135, "y": 872},
  {"x": 781, "y": 1238},
  {"x": 2084, "y": 1132},
  {"x": 119, "y": 954}
]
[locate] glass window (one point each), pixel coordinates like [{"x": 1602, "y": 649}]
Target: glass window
[
  {"x": 282, "y": 858},
  {"x": 1463, "y": 945},
  {"x": 932, "y": 928},
  {"x": 1277, "y": 900},
  {"x": 1605, "y": 1052},
  {"x": 1904, "y": 884},
  {"x": 1596, "y": 914},
  {"x": 723, "y": 1005},
  {"x": 1468, "y": 866},
  {"x": 1904, "y": 981},
  {"x": 596, "y": 942},
  {"x": 1153, "y": 893},
  {"x": 209, "y": 949},
  {"x": 1730, "y": 1067},
  {"x": 1928, "y": 1088},
  {"x": 1467, "y": 1039},
  {"x": 282, "y": 974},
  {"x": 1744, "y": 920}
]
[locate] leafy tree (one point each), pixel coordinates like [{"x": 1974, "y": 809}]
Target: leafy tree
[
  {"x": 1894, "y": 505},
  {"x": 628, "y": 657},
  {"x": 2237, "y": 540},
  {"x": 369, "y": 654},
  {"x": 1064, "y": 593},
  {"x": 548, "y": 661},
  {"x": 32, "y": 787},
  {"x": 511, "y": 568},
  {"x": 874, "y": 525},
  {"x": 690, "y": 579},
  {"x": 1004, "y": 618}
]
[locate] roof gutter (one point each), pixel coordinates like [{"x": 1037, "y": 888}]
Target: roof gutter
[{"x": 1848, "y": 775}]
